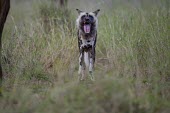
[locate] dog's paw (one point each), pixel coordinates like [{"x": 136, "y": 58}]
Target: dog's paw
[
  {"x": 91, "y": 76},
  {"x": 86, "y": 46},
  {"x": 81, "y": 78}
]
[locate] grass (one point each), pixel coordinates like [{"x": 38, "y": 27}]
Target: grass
[{"x": 40, "y": 60}]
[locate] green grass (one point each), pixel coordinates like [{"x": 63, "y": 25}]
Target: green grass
[{"x": 40, "y": 60}]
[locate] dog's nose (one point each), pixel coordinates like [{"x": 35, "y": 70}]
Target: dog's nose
[{"x": 87, "y": 19}]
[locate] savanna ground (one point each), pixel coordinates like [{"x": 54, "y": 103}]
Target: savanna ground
[{"x": 40, "y": 58}]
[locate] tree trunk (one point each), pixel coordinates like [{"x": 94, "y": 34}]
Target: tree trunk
[
  {"x": 4, "y": 9},
  {"x": 63, "y": 3}
]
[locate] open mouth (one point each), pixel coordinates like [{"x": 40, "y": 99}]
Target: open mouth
[{"x": 87, "y": 28}]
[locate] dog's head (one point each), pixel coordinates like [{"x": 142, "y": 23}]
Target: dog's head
[{"x": 87, "y": 22}]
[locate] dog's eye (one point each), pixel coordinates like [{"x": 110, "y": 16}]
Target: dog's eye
[
  {"x": 83, "y": 17},
  {"x": 91, "y": 17}
]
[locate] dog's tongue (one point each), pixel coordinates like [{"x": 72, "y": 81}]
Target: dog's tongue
[{"x": 87, "y": 28}]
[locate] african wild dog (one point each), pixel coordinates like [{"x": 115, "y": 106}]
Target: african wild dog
[{"x": 87, "y": 37}]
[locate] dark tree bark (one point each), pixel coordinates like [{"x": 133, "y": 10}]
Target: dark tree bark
[
  {"x": 63, "y": 3},
  {"x": 4, "y": 9}
]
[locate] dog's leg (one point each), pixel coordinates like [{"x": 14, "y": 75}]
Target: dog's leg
[
  {"x": 80, "y": 63},
  {"x": 91, "y": 66},
  {"x": 81, "y": 71},
  {"x": 91, "y": 63}
]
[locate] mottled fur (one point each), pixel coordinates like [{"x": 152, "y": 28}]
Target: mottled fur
[{"x": 87, "y": 41}]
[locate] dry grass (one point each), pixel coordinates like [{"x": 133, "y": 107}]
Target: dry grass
[{"x": 40, "y": 61}]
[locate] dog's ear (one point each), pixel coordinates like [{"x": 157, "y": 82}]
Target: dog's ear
[
  {"x": 96, "y": 12},
  {"x": 79, "y": 11}
]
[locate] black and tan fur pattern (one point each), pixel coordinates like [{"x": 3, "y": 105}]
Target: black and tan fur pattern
[{"x": 87, "y": 37}]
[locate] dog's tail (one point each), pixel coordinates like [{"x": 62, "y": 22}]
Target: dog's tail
[{"x": 86, "y": 59}]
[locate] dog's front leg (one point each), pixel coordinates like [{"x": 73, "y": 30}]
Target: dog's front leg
[
  {"x": 91, "y": 66},
  {"x": 81, "y": 71}
]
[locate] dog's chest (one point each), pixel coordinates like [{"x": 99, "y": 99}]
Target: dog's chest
[{"x": 87, "y": 43}]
